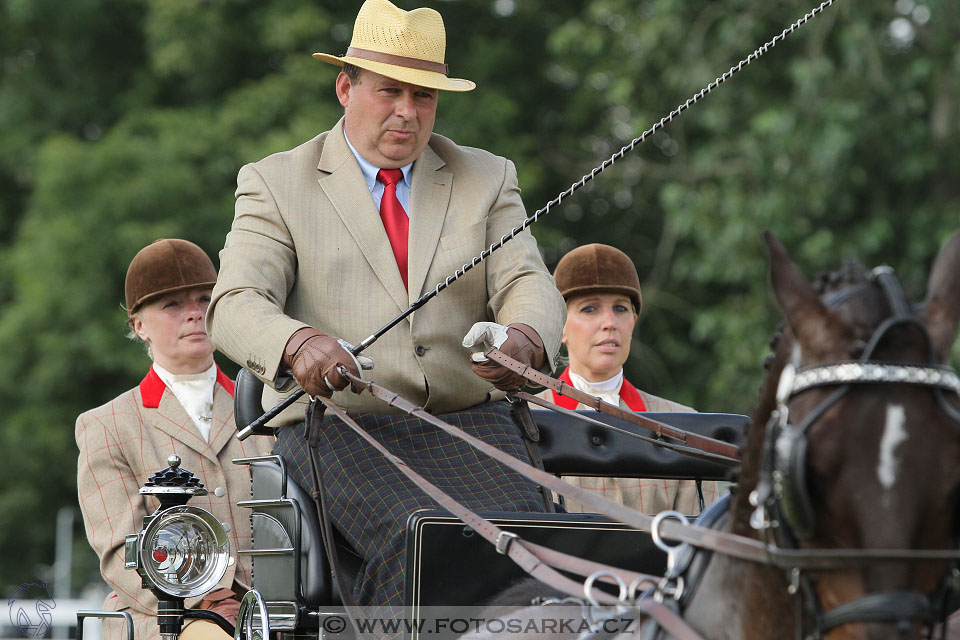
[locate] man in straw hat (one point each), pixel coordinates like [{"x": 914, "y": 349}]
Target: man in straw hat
[
  {"x": 602, "y": 289},
  {"x": 184, "y": 405},
  {"x": 335, "y": 238}
]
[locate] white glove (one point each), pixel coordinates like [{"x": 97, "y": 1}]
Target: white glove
[
  {"x": 363, "y": 363},
  {"x": 490, "y": 334}
]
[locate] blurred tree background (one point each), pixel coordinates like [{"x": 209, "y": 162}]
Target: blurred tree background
[{"x": 122, "y": 121}]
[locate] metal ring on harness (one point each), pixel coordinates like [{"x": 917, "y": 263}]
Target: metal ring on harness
[
  {"x": 655, "y": 530},
  {"x": 635, "y": 585},
  {"x": 588, "y": 586}
]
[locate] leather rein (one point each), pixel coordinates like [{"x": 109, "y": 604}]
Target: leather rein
[{"x": 543, "y": 563}]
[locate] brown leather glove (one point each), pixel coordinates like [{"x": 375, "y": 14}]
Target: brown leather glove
[
  {"x": 522, "y": 344},
  {"x": 313, "y": 356}
]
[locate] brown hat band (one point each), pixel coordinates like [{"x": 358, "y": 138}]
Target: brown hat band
[{"x": 400, "y": 61}]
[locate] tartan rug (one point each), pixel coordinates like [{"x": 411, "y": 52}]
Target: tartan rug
[{"x": 369, "y": 500}]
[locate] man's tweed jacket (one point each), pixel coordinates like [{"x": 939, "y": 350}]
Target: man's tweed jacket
[
  {"x": 307, "y": 247},
  {"x": 127, "y": 440}
]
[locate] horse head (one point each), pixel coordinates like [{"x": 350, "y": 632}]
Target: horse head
[{"x": 855, "y": 443}]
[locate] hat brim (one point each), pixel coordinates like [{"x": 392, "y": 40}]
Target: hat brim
[
  {"x": 156, "y": 294},
  {"x": 630, "y": 292},
  {"x": 419, "y": 77}
]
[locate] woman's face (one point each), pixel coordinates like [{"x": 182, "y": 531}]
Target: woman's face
[
  {"x": 597, "y": 334},
  {"x": 173, "y": 326}
]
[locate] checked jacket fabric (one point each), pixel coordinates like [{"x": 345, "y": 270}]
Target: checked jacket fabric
[{"x": 369, "y": 500}]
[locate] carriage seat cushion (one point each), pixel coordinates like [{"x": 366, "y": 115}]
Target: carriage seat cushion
[{"x": 573, "y": 447}]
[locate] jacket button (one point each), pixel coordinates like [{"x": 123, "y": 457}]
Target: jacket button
[
  {"x": 219, "y": 492},
  {"x": 420, "y": 350}
]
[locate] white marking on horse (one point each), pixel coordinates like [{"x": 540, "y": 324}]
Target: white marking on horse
[{"x": 893, "y": 435}]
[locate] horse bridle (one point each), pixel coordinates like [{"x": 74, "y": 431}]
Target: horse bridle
[{"x": 784, "y": 511}]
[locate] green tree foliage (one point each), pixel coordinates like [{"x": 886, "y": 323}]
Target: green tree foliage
[{"x": 122, "y": 121}]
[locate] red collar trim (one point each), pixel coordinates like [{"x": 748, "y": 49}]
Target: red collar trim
[
  {"x": 628, "y": 393},
  {"x": 151, "y": 387},
  {"x": 632, "y": 397},
  {"x": 226, "y": 382}
]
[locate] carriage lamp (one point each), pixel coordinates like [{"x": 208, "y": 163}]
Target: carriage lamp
[{"x": 182, "y": 551}]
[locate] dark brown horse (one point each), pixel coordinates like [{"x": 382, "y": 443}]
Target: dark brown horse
[
  {"x": 854, "y": 449},
  {"x": 866, "y": 465}
]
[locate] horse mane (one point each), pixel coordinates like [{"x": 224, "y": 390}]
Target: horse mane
[{"x": 851, "y": 273}]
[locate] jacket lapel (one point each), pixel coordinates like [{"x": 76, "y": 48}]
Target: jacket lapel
[
  {"x": 429, "y": 200},
  {"x": 172, "y": 419},
  {"x": 342, "y": 182}
]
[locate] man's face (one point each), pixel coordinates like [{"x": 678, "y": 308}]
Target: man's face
[{"x": 389, "y": 122}]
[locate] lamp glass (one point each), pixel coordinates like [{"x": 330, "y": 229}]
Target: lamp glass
[{"x": 185, "y": 551}]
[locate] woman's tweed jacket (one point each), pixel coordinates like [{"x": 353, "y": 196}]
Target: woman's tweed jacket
[{"x": 127, "y": 440}]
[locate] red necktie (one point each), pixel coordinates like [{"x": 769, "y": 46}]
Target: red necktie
[{"x": 395, "y": 220}]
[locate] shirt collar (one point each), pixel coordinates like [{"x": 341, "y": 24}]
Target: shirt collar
[
  {"x": 370, "y": 171},
  {"x": 152, "y": 387},
  {"x": 630, "y": 395},
  {"x": 604, "y": 386}
]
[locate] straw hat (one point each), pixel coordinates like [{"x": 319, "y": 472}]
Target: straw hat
[
  {"x": 598, "y": 268},
  {"x": 408, "y": 46},
  {"x": 165, "y": 266}
]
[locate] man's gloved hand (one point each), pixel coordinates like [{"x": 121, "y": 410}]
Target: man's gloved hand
[
  {"x": 313, "y": 356},
  {"x": 519, "y": 341}
]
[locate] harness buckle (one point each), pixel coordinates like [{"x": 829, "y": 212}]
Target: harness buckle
[
  {"x": 794, "y": 585},
  {"x": 504, "y": 540}
]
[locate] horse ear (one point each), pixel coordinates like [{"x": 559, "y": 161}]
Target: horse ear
[
  {"x": 819, "y": 331},
  {"x": 943, "y": 298}
]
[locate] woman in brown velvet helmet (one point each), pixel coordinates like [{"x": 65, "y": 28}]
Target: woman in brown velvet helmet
[
  {"x": 184, "y": 405},
  {"x": 602, "y": 290}
]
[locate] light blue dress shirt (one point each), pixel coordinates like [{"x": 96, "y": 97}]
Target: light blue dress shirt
[{"x": 376, "y": 187}]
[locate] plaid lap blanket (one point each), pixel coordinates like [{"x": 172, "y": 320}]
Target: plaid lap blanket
[{"x": 370, "y": 500}]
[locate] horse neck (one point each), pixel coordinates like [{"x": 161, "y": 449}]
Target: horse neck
[{"x": 753, "y": 449}]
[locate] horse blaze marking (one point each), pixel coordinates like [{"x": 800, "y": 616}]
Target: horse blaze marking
[{"x": 893, "y": 435}]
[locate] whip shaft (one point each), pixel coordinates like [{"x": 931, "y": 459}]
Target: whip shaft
[{"x": 422, "y": 300}]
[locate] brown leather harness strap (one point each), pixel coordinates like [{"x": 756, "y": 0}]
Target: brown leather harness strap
[
  {"x": 524, "y": 554},
  {"x": 520, "y": 412},
  {"x": 703, "y": 443},
  {"x": 598, "y": 503},
  {"x": 679, "y": 448},
  {"x": 669, "y": 619},
  {"x": 729, "y": 544}
]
